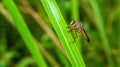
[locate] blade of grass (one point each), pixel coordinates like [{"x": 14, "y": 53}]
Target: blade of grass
[
  {"x": 87, "y": 10},
  {"x": 101, "y": 29},
  {"x": 5, "y": 13},
  {"x": 46, "y": 55},
  {"x": 74, "y": 9},
  {"x": 75, "y": 15},
  {"x": 42, "y": 24},
  {"x": 61, "y": 30},
  {"x": 24, "y": 32}
]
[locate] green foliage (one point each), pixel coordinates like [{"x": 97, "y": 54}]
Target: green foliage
[
  {"x": 24, "y": 32},
  {"x": 100, "y": 25},
  {"x": 61, "y": 30},
  {"x": 21, "y": 20}
]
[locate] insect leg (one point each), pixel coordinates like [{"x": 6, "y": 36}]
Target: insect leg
[
  {"x": 76, "y": 33},
  {"x": 71, "y": 30}
]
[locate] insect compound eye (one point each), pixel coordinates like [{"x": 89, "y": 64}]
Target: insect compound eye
[{"x": 71, "y": 22}]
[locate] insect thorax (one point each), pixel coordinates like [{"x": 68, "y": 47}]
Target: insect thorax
[{"x": 78, "y": 25}]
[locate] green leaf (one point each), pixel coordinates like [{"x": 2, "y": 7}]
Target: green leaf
[
  {"x": 100, "y": 25},
  {"x": 65, "y": 37},
  {"x": 25, "y": 33}
]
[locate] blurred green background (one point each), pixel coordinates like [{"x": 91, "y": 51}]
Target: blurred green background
[{"x": 101, "y": 21}]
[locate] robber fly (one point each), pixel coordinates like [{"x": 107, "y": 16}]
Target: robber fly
[{"x": 78, "y": 28}]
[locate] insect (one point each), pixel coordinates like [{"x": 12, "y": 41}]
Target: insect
[{"x": 78, "y": 28}]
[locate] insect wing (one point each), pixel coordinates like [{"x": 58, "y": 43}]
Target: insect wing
[{"x": 83, "y": 33}]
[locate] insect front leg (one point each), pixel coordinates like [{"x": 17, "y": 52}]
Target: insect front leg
[
  {"x": 76, "y": 35},
  {"x": 70, "y": 28}
]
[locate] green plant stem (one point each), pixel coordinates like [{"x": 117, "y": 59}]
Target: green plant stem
[
  {"x": 24, "y": 32},
  {"x": 75, "y": 16},
  {"x": 101, "y": 29},
  {"x": 74, "y": 9},
  {"x": 61, "y": 30}
]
